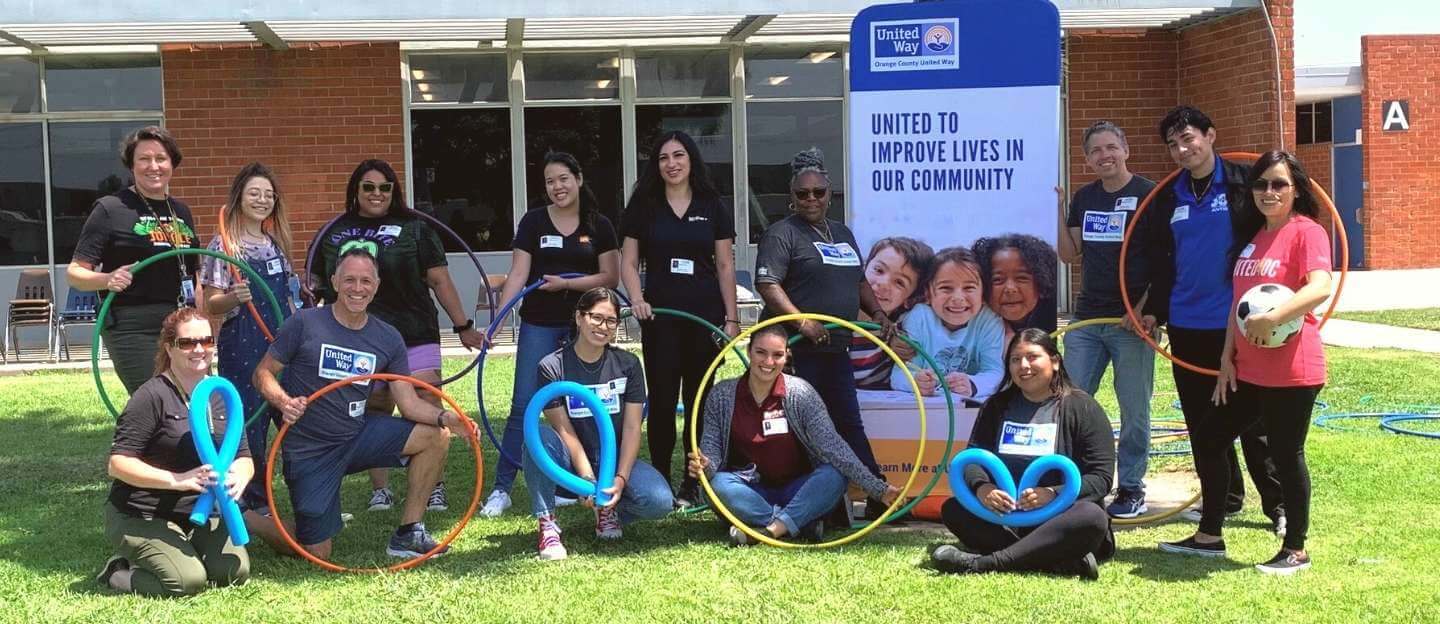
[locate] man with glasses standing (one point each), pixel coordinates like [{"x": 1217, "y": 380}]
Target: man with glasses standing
[
  {"x": 1188, "y": 231},
  {"x": 1094, "y": 228}
]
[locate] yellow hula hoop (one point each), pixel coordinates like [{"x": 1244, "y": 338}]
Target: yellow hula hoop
[
  {"x": 695, "y": 430},
  {"x": 1105, "y": 320}
]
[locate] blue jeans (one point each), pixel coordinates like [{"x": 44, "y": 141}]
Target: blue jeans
[
  {"x": 533, "y": 344},
  {"x": 833, "y": 377},
  {"x": 1087, "y": 351},
  {"x": 794, "y": 504},
  {"x": 646, "y": 495}
]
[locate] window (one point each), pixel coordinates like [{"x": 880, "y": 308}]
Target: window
[
  {"x": 682, "y": 73},
  {"x": 461, "y": 79},
  {"x": 22, "y": 195},
  {"x": 85, "y": 166},
  {"x": 1313, "y": 123},
  {"x": 462, "y": 174},
  {"x": 592, "y": 135},
  {"x": 793, "y": 72},
  {"x": 103, "y": 83},
  {"x": 593, "y": 76},
  {"x": 19, "y": 85}
]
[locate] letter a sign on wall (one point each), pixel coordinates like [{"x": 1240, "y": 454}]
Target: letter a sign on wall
[{"x": 1395, "y": 116}]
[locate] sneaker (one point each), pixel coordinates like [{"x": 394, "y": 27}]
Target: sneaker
[
  {"x": 1127, "y": 504},
  {"x": 1285, "y": 563},
  {"x": 495, "y": 504},
  {"x": 381, "y": 499},
  {"x": 689, "y": 495},
  {"x": 741, "y": 538},
  {"x": 345, "y": 517},
  {"x": 413, "y": 543},
  {"x": 607, "y": 523},
  {"x": 1189, "y": 546},
  {"x": 1193, "y": 514},
  {"x": 436, "y": 501},
  {"x": 550, "y": 547},
  {"x": 1278, "y": 526},
  {"x": 1086, "y": 568},
  {"x": 112, "y": 565},
  {"x": 951, "y": 560}
]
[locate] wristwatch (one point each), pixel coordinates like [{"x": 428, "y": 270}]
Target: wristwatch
[{"x": 469, "y": 324}]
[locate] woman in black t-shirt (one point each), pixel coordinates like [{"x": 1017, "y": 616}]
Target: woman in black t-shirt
[
  {"x": 136, "y": 222},
  {"x": 684, "y": 236},
  {"x": 158, "y": 476},
  {"x": 567, "y": 236}
]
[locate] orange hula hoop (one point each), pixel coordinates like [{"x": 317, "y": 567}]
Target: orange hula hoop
[
  {"x": 403, "y": 565},
  {"x": 235, "y": 275},
  {"x": 1336, "y": 223}
]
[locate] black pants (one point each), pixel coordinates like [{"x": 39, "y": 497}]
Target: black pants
[
  {"x": 677, "y": 352},
  {"x": 1202, "y": 347},
  {"x": 834, "y": 378},
  {"x": 1083, "y": 528},
  {"x": 1285, "y": 412}
]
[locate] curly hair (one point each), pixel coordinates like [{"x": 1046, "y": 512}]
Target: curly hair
[
  {"x": 1037, "y": 255},
  {"x": 807, "y": 161}
]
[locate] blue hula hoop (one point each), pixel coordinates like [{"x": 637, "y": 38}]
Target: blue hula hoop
[{"x": 1388, "y": 423}]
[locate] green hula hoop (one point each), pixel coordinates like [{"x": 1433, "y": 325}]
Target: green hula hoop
[
  {"x": 104, "y": 311},
  {"x": 949, "y": 405},
  {"x": 708, "y": 325}
]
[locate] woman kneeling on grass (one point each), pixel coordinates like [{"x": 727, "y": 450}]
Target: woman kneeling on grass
[
  {"x": 779, "y": 465},
  {"x": 158, "y": 476},
  {"x": 1037, "y": 412},
  {"x": 638, "y": 492}
]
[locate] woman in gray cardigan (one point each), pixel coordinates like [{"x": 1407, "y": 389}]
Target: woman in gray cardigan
[{"x": 778, "y": 463}]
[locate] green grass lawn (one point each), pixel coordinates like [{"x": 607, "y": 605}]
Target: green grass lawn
[
  {"x": 1418, "y": 318},
  {"x": 1375, "y": 541}
]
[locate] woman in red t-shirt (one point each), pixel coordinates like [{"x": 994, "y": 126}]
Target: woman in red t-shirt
[{"x": 1277, "y": 242}]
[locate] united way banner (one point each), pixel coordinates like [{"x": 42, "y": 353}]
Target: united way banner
[{"x": 954, "y": 146}]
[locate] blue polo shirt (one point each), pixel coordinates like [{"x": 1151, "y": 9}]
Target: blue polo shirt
[{"x": 1201, "y": 227}]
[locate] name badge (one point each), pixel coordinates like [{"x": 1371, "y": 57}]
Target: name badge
[
  {"x": 187, "y": 291},
  {"x": 273, "y": 266},
  {"x": 551, "y": 241},
  {"x": 1028, "y": 439},
  {"x": 1103, "y": 227},
  {"x": 1249, "y": 249},
  {"x": 357, "y": 408},
  {"x": 1127, "y": 203},
  {"x": 389, "y": 230},
  {"x": 609, "y": 393},
  {"x": 682, "y": 266},
  {"x": 774, "y": 424},
  {"x": 838, "y": 254},
  {"x": 1181, "y": 213}
]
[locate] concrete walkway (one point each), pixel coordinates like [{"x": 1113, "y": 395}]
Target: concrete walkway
[{"x": 1343, "y": 333}]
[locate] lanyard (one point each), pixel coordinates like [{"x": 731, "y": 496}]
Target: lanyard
[{"x": 174, "y": 235}]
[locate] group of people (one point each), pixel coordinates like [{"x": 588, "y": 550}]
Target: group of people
[{"x": 778, "y": 448}]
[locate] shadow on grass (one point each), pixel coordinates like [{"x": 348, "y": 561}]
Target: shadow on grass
[{"x": 1152, "y": 564}]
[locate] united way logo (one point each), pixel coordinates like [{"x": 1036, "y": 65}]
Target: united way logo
[{"x": 913, "y": 45}]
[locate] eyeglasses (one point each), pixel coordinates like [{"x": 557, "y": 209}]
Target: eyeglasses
[
  {"x": 371, "y": 187},
  {"x": 259, "y": 194},
  {"x": 1261, "y": 185},
  {"x": 186, "y": 344},
  {"x": 596, "y": 318},
  {"x": 818, "y": 193}
]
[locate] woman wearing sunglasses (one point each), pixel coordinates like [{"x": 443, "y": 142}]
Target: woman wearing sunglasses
[
  {"x": 1277, "y": 241},
  {"x": 158, "y": 476},
  {"x": 412, "y": 265},
  {"x": 808, "y": 262}
]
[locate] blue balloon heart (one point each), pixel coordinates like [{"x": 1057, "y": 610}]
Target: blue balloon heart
[
  {"x": 547, "y": 465},
  {"x": 219, "y": 459},
  {"x": 1069, "y": 488}
]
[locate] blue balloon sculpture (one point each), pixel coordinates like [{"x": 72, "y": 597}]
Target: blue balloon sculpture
[
  {"x": 1069, "y": 489},
  {"x": 219, "y": 459},
  {"x": 547, "y": 465}
]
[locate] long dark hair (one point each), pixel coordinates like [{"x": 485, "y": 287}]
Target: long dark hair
[
  {"x": 1061, "y": 384},
  {"x": 1249, "y": 219},
  {"x": 589, "y": 205},
  {"x": 352, "y": 190},
  {"x": 276, "y": 225},
  {"x": 649, "y": 192}
]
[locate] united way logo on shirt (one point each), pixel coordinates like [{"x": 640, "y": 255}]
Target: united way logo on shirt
[
  {"x": 1028, "y": 439},
  {"x": 1103, "y": 227},
  {"x": 609, "y": 393},
  {"x": 838, "y": 254},
  {"x": 338, "y": 362}
]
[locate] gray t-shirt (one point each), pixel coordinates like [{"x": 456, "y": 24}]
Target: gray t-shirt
[
  {"x": 618, "y": 378},
  {"x": 1102, "y": 217},
  {"x": 316, "y": 351},
  {"x": 818, "y": 276}
]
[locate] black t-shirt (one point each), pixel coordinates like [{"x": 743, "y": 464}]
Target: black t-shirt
[
  {"x": 406, "y": 248},
  {"x": 1102, "y": 217},
  {"x": 678, "y": 255},
  {"x": 618, "y": 378},
  {"x": 155, "y": 427},
  {"x": 818, "y": 275},
  {"x": 553, "y": 254},
  {"x": 126, "y": 228}
]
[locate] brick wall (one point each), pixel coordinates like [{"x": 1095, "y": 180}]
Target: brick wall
[
  {"x": 310, "y": 113},
  {"x": 1402, "y": 169},
  {"x": 1317, "y": 158}
]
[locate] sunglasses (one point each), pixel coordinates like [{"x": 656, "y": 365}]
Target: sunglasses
[
  {"x": 1262, "y": 185},
  {"x": 186, "y": 344},
  {"x": 371, "y": 187},
  {"x": 817, "y": 193},
  {"x": 596, "y": 318}
]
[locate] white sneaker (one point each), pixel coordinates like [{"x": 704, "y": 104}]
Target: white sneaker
[
  {"x": 495, "y": 504},
  {"x": 550, "y": 547},
  {"x": 381, "y": 499}
]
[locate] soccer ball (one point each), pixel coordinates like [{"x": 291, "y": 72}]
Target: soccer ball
[{"x": 1264, "y": 298}]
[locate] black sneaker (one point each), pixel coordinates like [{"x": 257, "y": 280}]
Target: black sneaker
[
  {"x": 951, "y": 560},
  {"x": 1085, "y": 567},
  {"x": 113, "y": 565},
  {"x": 1189, "y": 546},
  {"x": 1127, "y": 504},
  {"x": 413, "y": 543},
  {"x": 1285, "y": 563},
  {"x": 688, "y": 495}
]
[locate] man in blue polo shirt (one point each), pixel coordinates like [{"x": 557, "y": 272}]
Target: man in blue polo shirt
[{"x": 1189, "y": 230}]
